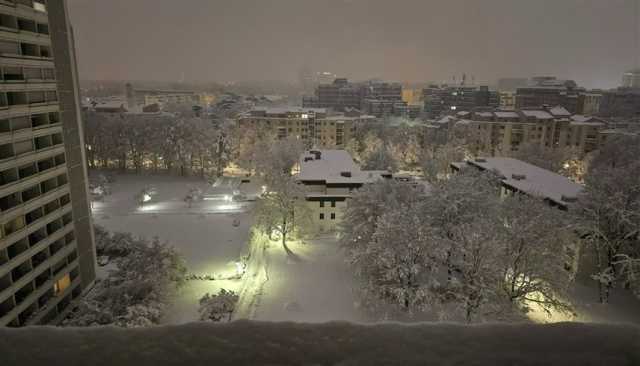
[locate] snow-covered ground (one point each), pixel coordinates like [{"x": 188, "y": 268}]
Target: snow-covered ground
[
  {"x": 204, "y": 233},
  {"x": 317, "y": 288}
]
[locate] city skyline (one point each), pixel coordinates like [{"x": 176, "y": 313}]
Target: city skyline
[{"x": 407, "y": 41}]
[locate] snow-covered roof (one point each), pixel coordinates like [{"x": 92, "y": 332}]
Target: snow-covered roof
[
  {"x": 506, "y": 114},
  {"x": 559, "y": 111},
  {"x": 284, "y": 110},
  {"x": 338, "y": 118},
  {"x": 531, "y": 179},
  {"x": 247, "y": 342},
  {"x": 335, "y": 167},
  {"x": 539, "y": 114},
  {"x": 445, "y": 119}
]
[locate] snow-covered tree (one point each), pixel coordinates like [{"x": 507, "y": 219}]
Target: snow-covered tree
[
  {"x": 609, "y": 211},
  {"x": 137, "y": 291},
  {"x": 218, "y": 307},
  {"x": 277, "y": 158},
  {"x": 380, "y": 159},
  {"x": 539, "y": 255},
  {"x": 398, "y": 265},
  {"x": 436, "y": 160},
  {"x": 476, "y": 279},
  {"x": 366, "y": 206},
  {"x": 282, "y": 208}
]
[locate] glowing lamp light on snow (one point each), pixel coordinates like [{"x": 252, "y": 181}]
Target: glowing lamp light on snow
[{"x": 146, "y": 198}]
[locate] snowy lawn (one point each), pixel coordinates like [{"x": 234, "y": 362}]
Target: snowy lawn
[
  {"x": 317, "y": 288},
  {"x": 204, "y": 234}
]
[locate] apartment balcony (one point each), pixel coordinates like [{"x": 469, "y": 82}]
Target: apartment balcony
[
  {"x": 28, "y": 293},
  {"x": 44, "y": 299},
  {"x": 29, "y": 251}
]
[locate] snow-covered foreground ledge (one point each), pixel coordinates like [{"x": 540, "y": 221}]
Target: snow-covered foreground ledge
[{"x": 260, "y": 343}]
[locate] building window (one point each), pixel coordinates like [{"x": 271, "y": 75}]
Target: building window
[
  {"x": 333, "y": 216},
  {"x": 321, "y": 216},
  {"x": 333, "y": 203},
  {"x": 321, "y": 204},
  {"x": 62, "y": 284}
]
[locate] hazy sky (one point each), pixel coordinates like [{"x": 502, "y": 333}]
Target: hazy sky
[{"x": 591, "y": 41}]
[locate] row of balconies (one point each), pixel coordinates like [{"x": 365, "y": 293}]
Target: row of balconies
[
  {"x": 28, "y": 74},
  {"x": 30, "y": 252},
  {"x": 16, "y": 199},
  {"x": 34, "y": 278},
  {"x": 37, "y": 142},
  {"x": 20, "y": 177},
  {"x": 28, "y": 98},
  {"x": 21, "y": 206},
  {"x": 30, "y": 304},
  {"x": 42, "y": 228},
  {"x": 19, "y": 47},
  {"x": 13, "y": 127}
]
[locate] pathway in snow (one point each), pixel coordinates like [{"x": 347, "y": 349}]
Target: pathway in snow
[
  {"x": 316, "y": 289},
  {"x": 204, "y": 234}
]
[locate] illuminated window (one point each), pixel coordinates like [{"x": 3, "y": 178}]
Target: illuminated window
[{"x": 62, "y": 284}]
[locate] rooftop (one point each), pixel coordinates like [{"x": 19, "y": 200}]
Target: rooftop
[
  {"x": 538, "y": 114},
  {"x": 531, "y": 179},
  {"x": 330, "y": 166},
  {"x": 506, "y": 114},
  {"x": 285, "y": 110},
  {"x": 559, "y": 111}
]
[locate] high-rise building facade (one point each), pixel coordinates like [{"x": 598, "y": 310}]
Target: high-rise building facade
[
  {"x": 47, "y": 251},
  {"x": 549, "y": 91},
  {"x": 631, "y": 79},
  {"x": 449, "y": 99}
]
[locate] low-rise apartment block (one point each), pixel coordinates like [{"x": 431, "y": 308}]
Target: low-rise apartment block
[
  {"x": 516, "y": 176},
  {"x": 315, "y": 126},
  {"x": 329, "y": 178},
  {"x": 498, "y": 130}
]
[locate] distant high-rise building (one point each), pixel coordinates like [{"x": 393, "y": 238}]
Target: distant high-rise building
[
  {"x": 372, "y": 97},
  {"x": 620, "y": 102},
  {"x": 549, "y": 91},
  {"x": 47, "y": 251},
  {"x": 631, "y": 79},
  {"x": 448, "y": 99}
]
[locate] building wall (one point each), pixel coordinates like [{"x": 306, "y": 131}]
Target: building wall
[
  {"x": 507, "y": 100},
  {"x": 326, "y": 215},
  {"x": 47, "y": 252},
  {"x": 321, "y": 132}
]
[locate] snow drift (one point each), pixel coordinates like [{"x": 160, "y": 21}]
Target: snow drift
[{"x": 264, "y": 343}]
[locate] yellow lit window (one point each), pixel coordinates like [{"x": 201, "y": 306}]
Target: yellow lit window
[{"x": 62, "y": 284}]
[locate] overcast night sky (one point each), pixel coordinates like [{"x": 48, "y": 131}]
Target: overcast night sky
[{"x": 590, "y": 41}]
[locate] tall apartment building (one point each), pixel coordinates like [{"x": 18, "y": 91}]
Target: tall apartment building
[
  {"x": 312, "y": 125},
  {"x": 339, "y": 95},
  {"x": 448, "y": 99},
  {"x": 631, "y": 79},
  {"x": 549, "y": 91},
  {"x": 589, "y": 103},
  {"x": 47, "y": 252},
  {"x": 620, "y": 102},
  {"x": 374, "y": 97}
]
